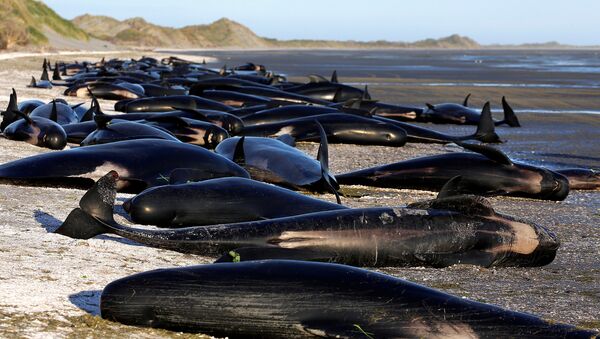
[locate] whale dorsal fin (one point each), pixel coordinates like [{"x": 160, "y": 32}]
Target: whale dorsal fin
[
  {"x": 334, "y": 77},
  {"x": 430, "y": 106},
  {"x": 366, "y": 94},
  {"x": 44, "y": 76},
  {"x": 323, "y": 159},
  {"x": 33, "y": 83},
  {"x": 510, "y": 118},
  {"x": 93, "y": 110},
  {"x": 56, "y": 72},
  {"x": 12, "y": 102},
  {"x": 238, "y": 154},
  {"x": 102, "y": 120},
  {"x": 466, "y": 101},
  {"x": 54, "y": 113},
  {"x": 486, "y": 130},
  {"x": 488, "y": 152}
]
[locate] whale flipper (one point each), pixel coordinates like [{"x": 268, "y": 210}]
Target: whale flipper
[
  {"x": 510, "y": 118},
  {"x": 198, "y": 115},
  {"x": 451, "y": 188}
]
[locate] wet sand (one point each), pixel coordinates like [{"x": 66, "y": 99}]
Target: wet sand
[{"x": 50, "y": 285}]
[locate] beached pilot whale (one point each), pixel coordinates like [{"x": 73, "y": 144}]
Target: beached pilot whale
[
  {"x": 168, "y": 103},
  {"x": 108, "y": 131},
  {"x": 463, "y": 114},
  {"x": 37, "y": 131},
  {"x": 339, "y": 127},
  {"x": 143, "y": 163},
  {"x": 229, "y": 122},
  {"x": 438, "y": 233},
  {"x": 296, "y": 299},
  {"x": 485, "y": 129},
  {"x": 107, "y": 90},
  {"x": 216, "y": 201},
  {"x": 320, "y": 88},
  {"x": 273, "y": 161},
  {"x": 44, "y": 81},
  {"x": 486, "y": 171}
]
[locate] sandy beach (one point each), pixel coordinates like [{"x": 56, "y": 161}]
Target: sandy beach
[{"x": 50, "y": 285}]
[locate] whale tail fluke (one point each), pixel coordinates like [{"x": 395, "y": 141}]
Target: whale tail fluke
[
  {"x": 510, "y": 118},
  {"x": 95, "y": 208},
  {"x": 486, "y": 131},
  {"x": 80, "y": 225}
]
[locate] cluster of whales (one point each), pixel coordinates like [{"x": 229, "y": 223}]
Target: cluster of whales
[{"x": 211, "y": 157}]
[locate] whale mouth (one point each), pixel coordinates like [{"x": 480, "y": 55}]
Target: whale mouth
[{"x": 556, "y": 185}]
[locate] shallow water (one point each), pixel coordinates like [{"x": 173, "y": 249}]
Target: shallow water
[{"x": 554, "y": 68}]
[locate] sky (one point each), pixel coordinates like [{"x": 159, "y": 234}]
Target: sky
[{"x": 506, "y": 22}]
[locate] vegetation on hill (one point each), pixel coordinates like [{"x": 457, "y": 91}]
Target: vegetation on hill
[{"x": 24, "y": 22}]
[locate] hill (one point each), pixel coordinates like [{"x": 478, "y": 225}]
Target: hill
[
  {"x": 30, "y": 22},
  {"x": 137, "y": 32}
]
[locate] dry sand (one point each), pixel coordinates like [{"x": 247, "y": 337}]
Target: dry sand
[{"x": 50, "y": 284}]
